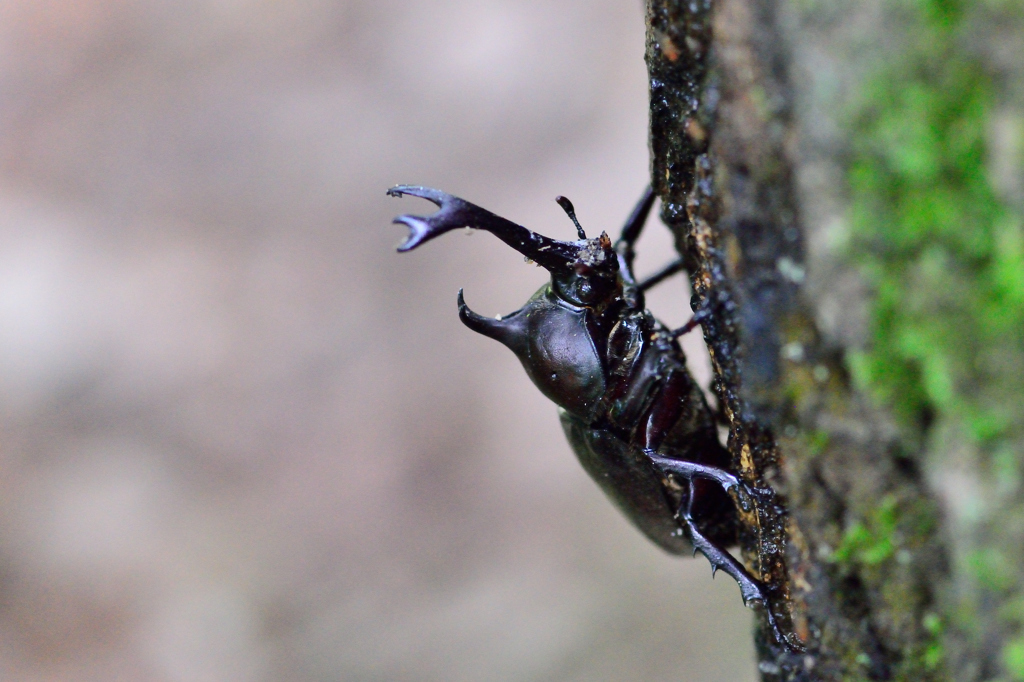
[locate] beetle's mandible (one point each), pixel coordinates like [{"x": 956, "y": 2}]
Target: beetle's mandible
[{"x": 636, "y": 419}]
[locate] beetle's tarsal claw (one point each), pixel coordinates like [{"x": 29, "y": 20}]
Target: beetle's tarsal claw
[
  {"x": 749, "y": 496},
  {"x": 743, "y": 496}
]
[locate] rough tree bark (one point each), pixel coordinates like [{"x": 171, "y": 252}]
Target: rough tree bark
[{"x": 851, "y": 545}]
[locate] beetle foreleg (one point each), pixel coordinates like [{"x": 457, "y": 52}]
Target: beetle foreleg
[
  {"x": 635, "y": 223},
  {"x": 661, "y": 275}
]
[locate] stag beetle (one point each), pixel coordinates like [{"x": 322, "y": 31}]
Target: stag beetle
[{"x": 637, "y": 420}]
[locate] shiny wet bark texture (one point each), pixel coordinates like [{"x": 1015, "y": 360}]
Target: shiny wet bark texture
[{"x": 849, "y": 543}]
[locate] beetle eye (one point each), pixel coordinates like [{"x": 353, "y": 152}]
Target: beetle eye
[{"x": 582, "y": 291}]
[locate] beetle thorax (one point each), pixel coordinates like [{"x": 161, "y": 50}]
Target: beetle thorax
[{"x": 559, "y": 353}]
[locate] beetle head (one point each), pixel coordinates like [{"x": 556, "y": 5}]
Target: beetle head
[
  {"x": 592, "y": 280},
  {"x": 554, "y": 334},
  {"x": 583, "y": 273}
]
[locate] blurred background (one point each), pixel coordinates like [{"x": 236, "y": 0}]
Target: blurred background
[{"x": 241, "y": 439}]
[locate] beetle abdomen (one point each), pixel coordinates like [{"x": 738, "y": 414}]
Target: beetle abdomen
[
  {"x": 631, "y": 482},
  {"x": 629, "y": 479}
]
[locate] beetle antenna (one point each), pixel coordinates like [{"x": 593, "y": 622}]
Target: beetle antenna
[{"x": 571, "y": 212}]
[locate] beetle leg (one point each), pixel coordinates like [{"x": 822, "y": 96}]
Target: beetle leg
[
  {"x": 702, "y": 313},
  {"x": 747, "y": 494},
  {"x": 690, "y": 470},
  {"x": 635, "y": 224},
  {"x": 661, "y": 275},
  {"x": 751, "y": 588}
]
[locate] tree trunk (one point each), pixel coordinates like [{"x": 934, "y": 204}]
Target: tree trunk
[{"x": 867, "y": 560}]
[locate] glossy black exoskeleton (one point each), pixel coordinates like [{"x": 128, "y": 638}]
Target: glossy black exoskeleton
[{"x": 636, "y": 419}]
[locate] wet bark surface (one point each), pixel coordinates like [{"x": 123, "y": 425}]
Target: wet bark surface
[{"x": 847, "y": 539}]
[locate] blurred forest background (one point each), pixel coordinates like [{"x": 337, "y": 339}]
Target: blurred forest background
[{"x": 241, "y": 438}]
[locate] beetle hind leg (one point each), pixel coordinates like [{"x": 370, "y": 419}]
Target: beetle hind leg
[
  {"x": 751, "y": 589},
  {"x": 690, "y": 470}
]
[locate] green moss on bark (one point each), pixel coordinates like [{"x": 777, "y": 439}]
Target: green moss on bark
[{"x": 944, "y": 253}]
